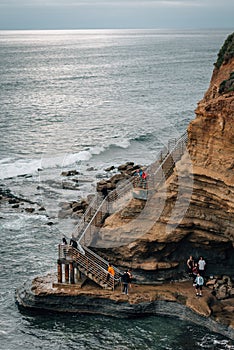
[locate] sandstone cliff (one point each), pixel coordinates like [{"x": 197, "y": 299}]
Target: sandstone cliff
[{"x": 193, "y": 212}]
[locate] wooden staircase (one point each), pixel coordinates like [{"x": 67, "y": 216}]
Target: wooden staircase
[{"x": 83, "y": 260}]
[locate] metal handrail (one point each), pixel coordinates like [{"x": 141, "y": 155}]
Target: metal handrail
[
  {"x": 102, "y": 262},
  {"x": 126, "y": 188},
  {"x": 85, "y": 257},
  {"x": 96, "y": 267}
]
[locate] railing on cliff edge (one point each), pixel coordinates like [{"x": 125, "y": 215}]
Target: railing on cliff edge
[
  {"x": 160, "y": 170},
  {"x": 100, "y": 208}
]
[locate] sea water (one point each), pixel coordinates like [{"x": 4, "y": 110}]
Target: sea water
[{"x": 86, "y": 100}]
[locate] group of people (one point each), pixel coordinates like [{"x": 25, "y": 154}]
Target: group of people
[
  {"x": 143, "y": 176},
  {"x": 73, "y": 243},
  {"x": 126, "y": 278},
  {"x": 196, "y": 270}
]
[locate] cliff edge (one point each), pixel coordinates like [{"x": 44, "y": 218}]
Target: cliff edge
[{"x": 193, "y": 212}]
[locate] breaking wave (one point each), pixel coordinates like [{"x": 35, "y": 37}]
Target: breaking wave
[{"x": 12, "y": 167}]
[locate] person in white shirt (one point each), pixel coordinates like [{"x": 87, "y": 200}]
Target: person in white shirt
[{"x": 201, "y": 266}]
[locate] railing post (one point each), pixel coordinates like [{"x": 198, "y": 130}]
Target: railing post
[
  {"x": 72, "y": 276},
  {"x": 78, "y": 274},
  {"x": 59, "y": 267},
  {"x": 67, "y": 273}
]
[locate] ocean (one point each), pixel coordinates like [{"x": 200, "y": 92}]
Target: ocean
[{"x": 85, "y": 100}]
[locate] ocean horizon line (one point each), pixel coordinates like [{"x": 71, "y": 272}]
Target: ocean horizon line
[{"x": 189, "y": 29}]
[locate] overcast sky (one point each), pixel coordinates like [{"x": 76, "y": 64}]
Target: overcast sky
[{"x": 86, "y": 14}]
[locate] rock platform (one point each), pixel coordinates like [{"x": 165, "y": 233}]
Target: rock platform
[{"x": 176, "y": 299}]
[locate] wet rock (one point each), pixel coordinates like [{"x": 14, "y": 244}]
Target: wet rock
[
  {"x": 74, "y": 209},
  {"x": 15, "y": 206},
  {"x": 222, "y": 287},
  {"x": 62, "y": 214},
  {"x": 41, "y": 209},
  {"x": 77, "y": 206},
  {"x": 29, "y": 210},
  {"x": 50, "y": 223},
  {"x": 110, "y": 168},
  {"x": 13, "y": 201},
  {"x": 125, "y": 166},
  {"x": 69, "y": 185},
  {"x": 65, "y": 205},
  {"x": 91, "y": 169},
  {"x": 78, "y": 214},
  {"x": 70, "y": 173}
]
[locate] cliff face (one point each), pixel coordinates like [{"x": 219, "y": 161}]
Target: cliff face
[
  {"x": 193, "y": 213},
  {"x": 211, "y": 134},
  {"x": 211, "y": 144}
]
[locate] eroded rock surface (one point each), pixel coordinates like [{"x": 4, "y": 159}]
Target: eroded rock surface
[
  {"x": 193, "y": 213},
  {"x": 172, "y": 299}
]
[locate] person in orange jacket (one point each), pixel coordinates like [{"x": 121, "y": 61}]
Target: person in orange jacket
[{"x": 111, "y": 270}]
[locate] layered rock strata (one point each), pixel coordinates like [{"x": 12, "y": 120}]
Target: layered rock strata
[{"x": 193, "y": 212}]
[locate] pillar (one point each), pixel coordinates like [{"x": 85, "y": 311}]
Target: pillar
[
  {"x": 78, "y": 274},
  {"x": 72, "y": 277},
  {"x": 59, "y": 267},
  {"x": 67, "y": 273}
]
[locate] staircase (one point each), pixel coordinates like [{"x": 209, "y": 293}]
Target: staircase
[
  {"x": 89, "y": 264},
  {"x": 85, "y": 260}
]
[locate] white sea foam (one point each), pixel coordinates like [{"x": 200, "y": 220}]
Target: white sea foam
[
  {"x": 10, "y": 167},
  {"x": 122, "y": 143}
]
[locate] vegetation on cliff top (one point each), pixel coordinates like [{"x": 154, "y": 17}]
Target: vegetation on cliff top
[
  {"x": 227, "y": 85},
  {"x": 226, "y": 52}
]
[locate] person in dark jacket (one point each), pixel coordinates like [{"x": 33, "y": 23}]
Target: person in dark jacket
[
  {"x": 73, "y": 243},
  {"x": 126, "y": 279},
  {"x": 64, "y": 241}
]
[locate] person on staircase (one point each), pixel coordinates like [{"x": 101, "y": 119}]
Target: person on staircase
[
  {"x": 144, "y": 177},
  {"x": 73, "y": 243},
  {"x": 64, "y": 247},
  {"x": 111, "y": 271},
  {"x": 64, "y": 241}
]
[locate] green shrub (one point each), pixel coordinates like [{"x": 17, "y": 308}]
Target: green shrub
[
  {"x": 227, "y": 85},
  {"x": 226, "y": 52}
]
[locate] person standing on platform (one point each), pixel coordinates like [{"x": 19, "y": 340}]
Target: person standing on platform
[
  {"x": 126, "y": 279},
  {"x": 190, "y": 265},
  {"x": 199, "y": 281},
  {"x": 201, "y": 266}
]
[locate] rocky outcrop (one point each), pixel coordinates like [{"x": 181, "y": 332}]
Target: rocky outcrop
[
  {"x": 76, "y": 209},
  {"x": 222, "y": 288},
  {"x": 175, "y": 300},
  {"x": 125, "y": 172},
  {"x": 21, "y": 204},
  {"x": 193, "y": 212}
]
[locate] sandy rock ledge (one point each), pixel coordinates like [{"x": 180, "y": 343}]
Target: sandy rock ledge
[{"x": 173, "y": 300}]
